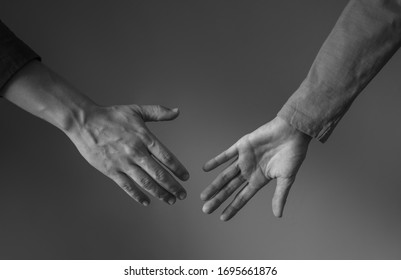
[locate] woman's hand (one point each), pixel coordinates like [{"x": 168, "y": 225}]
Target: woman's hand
[{"x": 276, "y": 150}]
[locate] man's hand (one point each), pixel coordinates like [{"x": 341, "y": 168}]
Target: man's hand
[
  {"x": 276, "y": 150},
  {"x": 113, "y": 139},
  {"x": 116, "y": 141}
]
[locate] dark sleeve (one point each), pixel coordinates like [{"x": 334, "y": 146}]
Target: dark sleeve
[
  {"x": 14, "y": 54},
  {"x": 364, "y": 38}
]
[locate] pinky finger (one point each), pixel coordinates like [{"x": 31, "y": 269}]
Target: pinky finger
[
  {"x": 125, "y": 183},
  {"x": 280, "y": 195}
]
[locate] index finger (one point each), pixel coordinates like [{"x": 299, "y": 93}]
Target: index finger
[{"x": 221, "y": 158}]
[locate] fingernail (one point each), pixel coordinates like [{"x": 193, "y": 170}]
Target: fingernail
[
  {"x": 185, "y": 176},
  {"x": 171, "y": 201},
  {"x": 223, "y": 217},
  {"x": 182, "y": 195},
  {"x": 175, "y": 110},
  {"x": 145, "y": 203}
]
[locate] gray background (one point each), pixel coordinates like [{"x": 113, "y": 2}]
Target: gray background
[{"x": 229, "y": 66}]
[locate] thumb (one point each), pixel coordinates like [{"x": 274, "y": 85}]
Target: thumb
[
  {"x": 280, "y": 195},
  {"x": 158, "y": 113}
]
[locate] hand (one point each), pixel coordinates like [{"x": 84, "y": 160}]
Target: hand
[
  {"x": 113, "y": 139},
  {"x": 116, "y": 141},
  {"x": 276, "y": 150}
]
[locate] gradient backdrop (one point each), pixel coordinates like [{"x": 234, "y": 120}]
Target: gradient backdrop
[{"x": 229, "y": 66}]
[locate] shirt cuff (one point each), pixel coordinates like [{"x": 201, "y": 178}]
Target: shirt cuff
[
  {"x": 304, "y": 123},
  {"x": 311, "y": 115},
  {"x": 14, "y": 54}
]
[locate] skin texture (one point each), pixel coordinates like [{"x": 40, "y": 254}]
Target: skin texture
[
  {"x": 116, "y": 141},
  {"x": 276, "y": 150},
  {"x": 113, "y": 139}
]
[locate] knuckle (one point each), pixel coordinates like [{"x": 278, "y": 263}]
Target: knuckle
[
  {"x": 234, "y": 208},
  {"x": 234, "y": 205},
  {"x": 126, "y": 187},
  {"x": 227, "y": 192},
  {"x": 243, "y": 177},
  {"x": 145, "y": 182},
  {"x": 161, "y": 175},
  {"x": 136, "y": 195},
  {"x": 239, "y": 203},
  {"x": 109, "y": 171},
  {"x": 234, "y": 182},
  {"x": 134, "y": 148},
  {"x": 224, "y": 177},
  {"x": 167, "y": 157},
  {"x": 141, "y": 131},
  {"x": 140, "y": 157},
  {"x": 157, "y": 108},
  {"x": 145, "y": 137},
  {"x": 150, "y": 143},
  {"x": 135, "y": 108},
  {"x": 131, "y": 150}
]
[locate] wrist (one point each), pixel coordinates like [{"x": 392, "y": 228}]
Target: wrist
[
  {"x": 71, "y": 117},
  {"x": 38, "y": 90},
  {"x": 290, "y": 131}
]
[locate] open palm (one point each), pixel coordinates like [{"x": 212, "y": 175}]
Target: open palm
[{"x": 274, "y": 151}]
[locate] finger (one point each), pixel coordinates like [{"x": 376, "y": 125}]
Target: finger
[
  {"x": 245, "y": 194},
  {"x": 214, "y": 203},
  {"x": 162, "y": 177},
  {"x": 221, "y": 180},
  {"x": 158, "y": 113},
  {"x": 280, "y": 195},
  {"x": 221, "y": 158},
  {"x": 124, "y": 182},
  {"x": 147, "y": 183},
  {"x": 167, "y": 158}
]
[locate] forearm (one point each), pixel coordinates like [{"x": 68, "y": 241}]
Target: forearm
[
  {"x": 364, "y": 38},
  {"x": 113, "y": 139},
  {"x": 38, "y": 90}
]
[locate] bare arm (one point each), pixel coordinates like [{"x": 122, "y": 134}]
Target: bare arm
[{"x": 114, "y": 140}]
